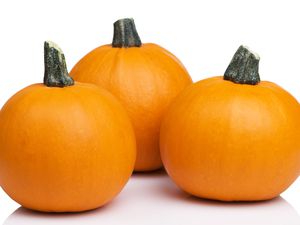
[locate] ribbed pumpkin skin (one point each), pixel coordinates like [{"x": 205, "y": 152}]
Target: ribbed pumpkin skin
[
  {"x": 145, "y": 79},
  {"x": 232, "y": 142},
  {"x": 65, "y": 149}
]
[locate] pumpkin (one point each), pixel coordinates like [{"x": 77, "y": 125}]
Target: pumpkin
[
  {"x": 144, "y": 77},
  {"x": 233, "y": 138},
  {"x": 64, "y": 146}
]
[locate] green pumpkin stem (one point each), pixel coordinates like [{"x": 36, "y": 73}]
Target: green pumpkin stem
[
  {"x": 243, "y": 68},
  {"x": 56, "y": 73},
  {"x": 125, "y": 34}
]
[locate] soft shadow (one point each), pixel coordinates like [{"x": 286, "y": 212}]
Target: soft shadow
[
  {"x": 170, "y": 189},
  {"x": 152, "y": 174},
  {"x": 150, "y": 201},
  {"x": 23, "y": 216},
  {"x": 271, "y": 212}
]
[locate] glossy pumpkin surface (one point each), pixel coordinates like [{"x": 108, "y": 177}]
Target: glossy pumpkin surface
[
  {"x": 145, "y": 79},
  {"x": 65, "y": 149},
  {"x": 232, "y": 142}
]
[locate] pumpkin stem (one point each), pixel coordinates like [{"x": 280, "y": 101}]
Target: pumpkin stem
[
  {"x": 243, "y": 68},
  {"x": 125, "y": 34},
  {"x": 56, "y": 73}
]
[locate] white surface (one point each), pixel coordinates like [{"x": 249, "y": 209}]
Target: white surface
[
  {"x": 204, "y": 35},
  {"x": 153, "y": 199}
]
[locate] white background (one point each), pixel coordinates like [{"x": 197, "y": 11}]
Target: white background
[{"x": 204, "y": 35}]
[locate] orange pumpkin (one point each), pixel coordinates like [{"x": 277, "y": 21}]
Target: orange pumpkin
[
  {"x": 233, "y": 138},
  {"x": 144, "y": 77},
  {"x": 64, "y": 146}
]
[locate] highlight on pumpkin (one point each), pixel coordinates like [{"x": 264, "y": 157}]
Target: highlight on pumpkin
[
  {"x": 145, "y": 78},
  {"x": 64, "y": 143}
]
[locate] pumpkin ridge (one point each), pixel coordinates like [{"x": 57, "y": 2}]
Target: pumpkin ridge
[
  {"x": 107, "y": 55},
  {"x": 168, "y": 54},
  {"x": 85, "y": 60},
  {"x": 114, "y": 62},
  {"x": 168, "y": 57}
]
